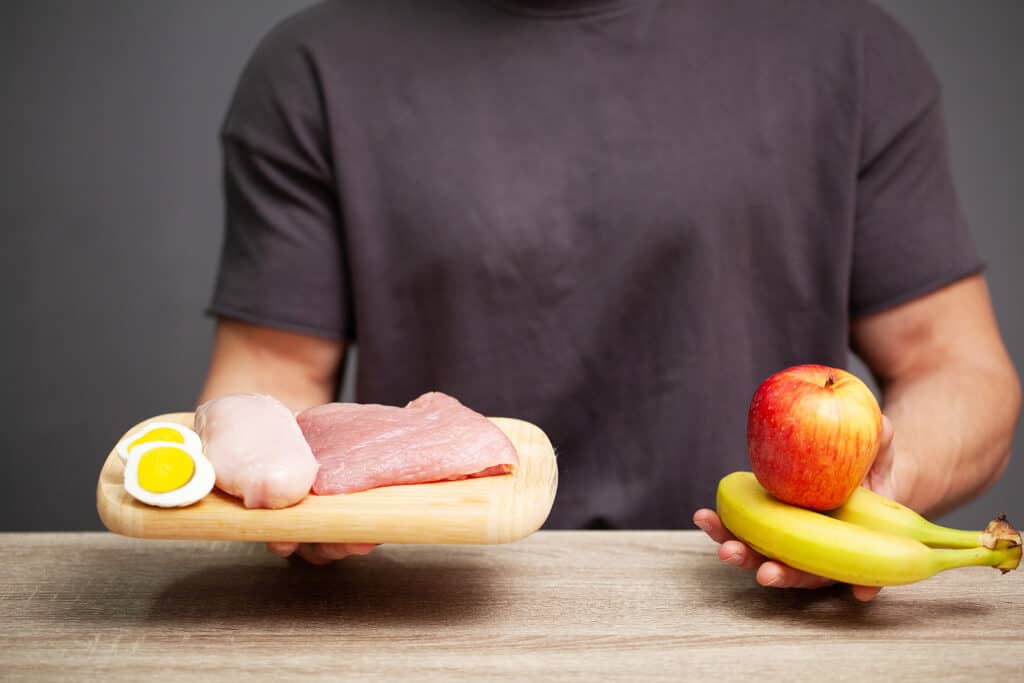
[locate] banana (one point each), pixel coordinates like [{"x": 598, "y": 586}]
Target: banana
[
  {"x": 870, "y": 510},
  {"x": 836, "y": 549}
]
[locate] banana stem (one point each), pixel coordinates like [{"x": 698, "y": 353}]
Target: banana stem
[
  {"x": 1004, "y": 559},
  {"x": 997, "y": 535},
  {"x": 944, "y": 537},
  {"x": 1000, "y": 534}
]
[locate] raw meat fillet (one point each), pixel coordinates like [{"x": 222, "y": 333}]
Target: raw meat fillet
[
  {"x": 434, "y": 438},
  {"x": 257, "y": 450}
]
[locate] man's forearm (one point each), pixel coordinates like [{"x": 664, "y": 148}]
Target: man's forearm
[
  {"x": 295, "y": 391},
  {"x": 298, "y": 370},
  {"x": 954, "y": 429}
]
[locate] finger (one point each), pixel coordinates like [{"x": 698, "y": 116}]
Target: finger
[
  {"x": 324, "y": 553},
  {"x": 739, "y": 555},
  {"x": 339, "y": 551},
  {"x": 865, "y": 593},
  {"x": 310, "y": 552},
  {"x": 880, "y": 477},
  {"x": 282, "y": 548},
  {"x": 778, "y": 575},
  {"x": 360, "y": 548},
  {"x": 709, "y": 521},
  {"x": 888, "y": 432}
]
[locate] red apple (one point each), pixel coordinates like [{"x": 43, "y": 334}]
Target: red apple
[{"x": 812, "y": 434}]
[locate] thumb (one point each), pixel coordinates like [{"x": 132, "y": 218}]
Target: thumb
[
  {"x": 888, "y": 432},
  {"x": 879, "y": 478}
]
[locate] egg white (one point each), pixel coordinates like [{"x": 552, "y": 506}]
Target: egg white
[
  {"x": 192, "y": 442},
  {"x": 201, "y": 483}
]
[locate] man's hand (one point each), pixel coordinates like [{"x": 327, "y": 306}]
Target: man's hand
[
  {"x": 299, "y": 370},
  {"x": 776, "y": 574},
  {"x": 320, "y": 553}
]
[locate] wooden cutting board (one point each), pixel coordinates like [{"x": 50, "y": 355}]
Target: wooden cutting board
[{"x": 497, "y": 509}]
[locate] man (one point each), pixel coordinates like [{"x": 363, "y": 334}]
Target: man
[{"x": 612, "y": 218}]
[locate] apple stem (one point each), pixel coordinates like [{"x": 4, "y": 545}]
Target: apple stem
[{"x": 830, "y": 381}]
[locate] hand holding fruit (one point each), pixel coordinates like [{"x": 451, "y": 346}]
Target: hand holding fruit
[
  {"x": 773, "y": 573},
  {"x": 815, "y": 434}
]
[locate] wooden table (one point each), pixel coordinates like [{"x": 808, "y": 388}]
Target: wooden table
[{"x": 585, "y": 606}]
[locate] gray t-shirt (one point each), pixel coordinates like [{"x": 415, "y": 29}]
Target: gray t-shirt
[{"x": 612, "y": 219}]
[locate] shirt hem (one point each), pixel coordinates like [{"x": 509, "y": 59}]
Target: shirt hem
[
  {"x": 225, "y": 311},
  {"x": 565, "y": 11},
  {"x": 920, "y": 290}
]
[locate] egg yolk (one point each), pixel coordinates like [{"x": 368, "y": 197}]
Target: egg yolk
[
  {"x": 165, "y": 469},
  {"x": 158, "y": 434}
]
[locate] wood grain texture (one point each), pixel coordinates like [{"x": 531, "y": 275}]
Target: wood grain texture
[
  {"x": 578, "y": 606},
  {"x": 495, "y": 509}
]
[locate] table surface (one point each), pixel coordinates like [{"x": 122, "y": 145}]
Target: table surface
[{"x": 568, "y": 605}]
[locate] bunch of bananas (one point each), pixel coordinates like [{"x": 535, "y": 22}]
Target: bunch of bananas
[{"x": 869, "y": 541}]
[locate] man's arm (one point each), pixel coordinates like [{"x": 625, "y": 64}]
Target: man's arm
[
  {"x": 951, "y": 391},
  {"x": 297, "y": 369}
]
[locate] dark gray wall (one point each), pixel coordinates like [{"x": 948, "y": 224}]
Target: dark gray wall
[
  {"x": 977, "y": 51},
  {"x": 111, "y": 217},
  {"x": 110, "y": 211}
]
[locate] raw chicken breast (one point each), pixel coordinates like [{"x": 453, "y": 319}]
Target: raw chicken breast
[
  {"x": 434, "y": 438},
  {"x": 257, "y": 450}
]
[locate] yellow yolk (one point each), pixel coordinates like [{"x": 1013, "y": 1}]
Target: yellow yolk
[
  {"x": 165, "y": 469},
  {"x": 159, "y": 434}
]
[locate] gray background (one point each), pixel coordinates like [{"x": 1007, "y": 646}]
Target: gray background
[{"x": 110, "y": 211}]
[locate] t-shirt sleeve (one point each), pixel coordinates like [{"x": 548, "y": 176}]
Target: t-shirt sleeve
[
  {"x": 282, "y": 263},
  {"x": 910, "y": 234}
]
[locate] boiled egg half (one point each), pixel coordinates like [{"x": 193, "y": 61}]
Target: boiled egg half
[
  {"x": 167, "y": 474},
  {"x": 170, "y": 432}
]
